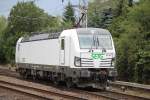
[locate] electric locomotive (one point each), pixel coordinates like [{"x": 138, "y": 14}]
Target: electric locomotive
[{"x": 79, "y": 57}]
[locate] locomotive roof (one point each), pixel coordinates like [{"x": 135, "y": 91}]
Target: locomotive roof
[
  {"x": 92, "y": 31},
  {"x": 40, "y": 36},
  {"x": 36, "y": 36}
]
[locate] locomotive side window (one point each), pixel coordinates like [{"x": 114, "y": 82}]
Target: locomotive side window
[{"x": 62, "y": 44}]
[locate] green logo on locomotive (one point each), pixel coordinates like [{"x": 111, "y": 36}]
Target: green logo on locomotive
[{"x": 97, "y": 55}]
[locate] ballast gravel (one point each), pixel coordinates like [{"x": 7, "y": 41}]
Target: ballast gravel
[{"x": 6, "y": 94}]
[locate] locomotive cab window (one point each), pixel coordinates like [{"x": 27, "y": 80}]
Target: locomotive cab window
[{"x": 62, "y": 44}]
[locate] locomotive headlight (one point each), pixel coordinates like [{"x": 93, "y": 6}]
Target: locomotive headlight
[
  {"x": 113, "y": 62},
  {"x": 77, "y": 61}
]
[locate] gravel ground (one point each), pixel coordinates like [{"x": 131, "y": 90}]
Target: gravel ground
[
  {"x": 6, "y": 94},
  {"x": 11, "y": 95},
  {"x": 7, "y": 67}
]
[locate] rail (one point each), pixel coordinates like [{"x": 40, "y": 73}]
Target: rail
[
  {"x": 48, "y": 92},
  {"x": 110, "y": 94}
]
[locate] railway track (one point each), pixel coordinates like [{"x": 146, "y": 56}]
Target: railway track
[
  {"x": 6, "y": 71},
  {"x": 38, "y": 92},
  {"x": 47, "y": 92},
  {"x": 135, "y": 89},
  {"x": 51, "y": 92},
  {"x": 129, "y": 85}
]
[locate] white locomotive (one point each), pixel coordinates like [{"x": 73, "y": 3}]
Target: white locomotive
[{"x": 82, "y": 56}]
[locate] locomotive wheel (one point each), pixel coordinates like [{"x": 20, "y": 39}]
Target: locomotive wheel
[
  {"x": 34, "y": 74},
  {"x": 23, "y": 73},
  {"x": 104, "y": 82},
  {"x": 55, "y": 81},
  {"x": 104, "y": 86},
  {"x": 69, "y": 83},
  {"x": 34, "y": 77}
]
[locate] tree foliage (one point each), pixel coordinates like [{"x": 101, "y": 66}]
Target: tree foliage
[
  {"x": 133, "y": 37},
  {"x": 27, "y": 17},
  {"x": 24, "y": 18},
  {"x": 3, "y": 25},
  {"x": 100, "y": 13},
  {"x": 69, "y": 17}
]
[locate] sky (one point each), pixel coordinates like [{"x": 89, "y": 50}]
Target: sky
[{"x": 52, "y": 7}]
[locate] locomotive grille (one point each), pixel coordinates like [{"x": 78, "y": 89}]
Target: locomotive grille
[
  {"x": 105, "y": 62},
  {"x": 85, "y": 62}
]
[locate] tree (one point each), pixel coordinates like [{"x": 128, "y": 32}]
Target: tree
[
  {"x": 53, "y": 24},
  {"x": 132, "y": 44},
  {"x": 130, "y": 3},
  {"x": 24, "y": 18},
  {"x": 69, "y": 17},
  {"x": 3, "y": 25},
  {"x": 100, "y": 13}
]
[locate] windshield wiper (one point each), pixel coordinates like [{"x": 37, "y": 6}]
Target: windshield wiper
[
  {"x": 98, "y": 44},
  {"x": 93, "y": 43}
]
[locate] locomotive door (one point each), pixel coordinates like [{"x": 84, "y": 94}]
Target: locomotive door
[{"x": 62, "y": 51}]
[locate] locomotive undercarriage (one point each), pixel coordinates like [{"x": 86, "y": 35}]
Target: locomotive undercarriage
[{"x": 82, "y": 77}]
